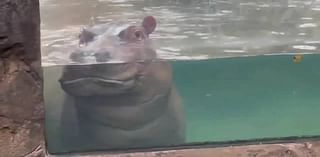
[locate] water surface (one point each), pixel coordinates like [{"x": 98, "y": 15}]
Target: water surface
[{"x": 189, "y": 29}]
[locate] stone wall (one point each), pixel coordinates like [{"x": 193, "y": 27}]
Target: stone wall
[{"x": 21, "y": 108}]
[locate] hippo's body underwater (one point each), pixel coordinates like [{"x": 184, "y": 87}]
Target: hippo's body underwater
[{"x": 120, "y": 105}]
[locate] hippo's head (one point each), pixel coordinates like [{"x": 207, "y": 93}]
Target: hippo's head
[{"x": 131, "y": 46}]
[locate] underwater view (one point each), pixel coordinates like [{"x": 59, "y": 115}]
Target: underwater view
[
  {"x": 134, "y": 74},
  {"x": 230, "y": 99}
]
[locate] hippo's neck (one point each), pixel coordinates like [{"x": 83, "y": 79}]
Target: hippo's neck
[{"x": 126, "y": 112}]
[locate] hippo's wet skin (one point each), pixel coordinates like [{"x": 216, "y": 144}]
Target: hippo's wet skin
[{"x": 121, "y": 105}]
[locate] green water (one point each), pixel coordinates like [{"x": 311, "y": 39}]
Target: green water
[
  {"x": 250, "y": 97},
  {"x": 231, "y": 98}
]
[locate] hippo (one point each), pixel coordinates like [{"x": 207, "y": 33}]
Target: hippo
[{"x": 120, "y": 105}]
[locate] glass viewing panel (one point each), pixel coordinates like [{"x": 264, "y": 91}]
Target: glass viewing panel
[{"x": 135, "y": 74}]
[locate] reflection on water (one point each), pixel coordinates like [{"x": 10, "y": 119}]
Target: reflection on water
[{"x": 190, "y": 28}]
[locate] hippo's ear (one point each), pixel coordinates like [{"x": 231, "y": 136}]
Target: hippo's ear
[
  {"x": 86, "y": 36},
  {"x": 149, "y": 23},
  {"x": 121, "y": 34}
]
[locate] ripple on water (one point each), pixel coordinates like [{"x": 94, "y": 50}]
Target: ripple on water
[{"x": 203, "y": 29}]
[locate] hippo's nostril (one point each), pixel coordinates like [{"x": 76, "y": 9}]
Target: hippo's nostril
[
  {"x": 77, "y": 56},
  {"x": 102, "y": 57}
]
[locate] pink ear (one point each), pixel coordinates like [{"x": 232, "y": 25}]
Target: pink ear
[{"x": 149, "y": 23}]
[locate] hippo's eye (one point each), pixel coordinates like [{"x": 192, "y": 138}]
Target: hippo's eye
[{"x": 138, "y": 34}]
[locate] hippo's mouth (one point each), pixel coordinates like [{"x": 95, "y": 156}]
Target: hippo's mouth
[
  {"x": 90, "y": 86},
  {"x": 100, "y": 81}
]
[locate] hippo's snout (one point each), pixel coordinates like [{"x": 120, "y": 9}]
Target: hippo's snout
[
  {"x": 82, "y": 56},
  {"x": 101, "y": 79}
]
